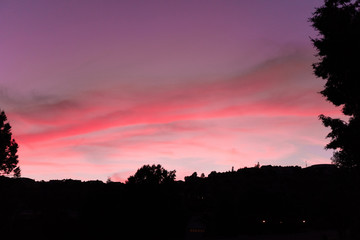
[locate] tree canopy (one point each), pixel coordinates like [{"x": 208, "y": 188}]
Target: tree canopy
[
  {"x": 154, "y": 174},
  {"x": 8, "y": 149},
  {"x": 338, "y": 48}
]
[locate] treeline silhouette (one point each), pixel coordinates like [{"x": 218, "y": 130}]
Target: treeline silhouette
[{"x": 260, "y": 200}]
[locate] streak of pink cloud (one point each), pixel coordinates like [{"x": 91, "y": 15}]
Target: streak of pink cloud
[{"x": 96, "y": 89}]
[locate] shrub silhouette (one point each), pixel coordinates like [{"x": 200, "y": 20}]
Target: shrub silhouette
[{"x": 154, "y": 174}]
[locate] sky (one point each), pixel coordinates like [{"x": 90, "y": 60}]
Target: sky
[{"x": 95, "y": 89}]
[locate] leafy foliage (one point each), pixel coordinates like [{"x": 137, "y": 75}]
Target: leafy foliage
[
  {"x": 8, "y": 149},
  {"x": 154, "y": 174},
  {"x": 338, "y": 24}
]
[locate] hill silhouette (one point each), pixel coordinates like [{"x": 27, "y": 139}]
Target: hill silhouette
[{"x": 256, "y": 201}]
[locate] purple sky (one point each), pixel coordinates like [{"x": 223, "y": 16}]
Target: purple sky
[{"x": 96, "y": 89}]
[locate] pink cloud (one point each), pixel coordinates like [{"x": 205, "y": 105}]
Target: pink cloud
[
  {"x": 233, "y": 97},
  {"x": 257, "y": 116},
  {"x": 98, "y": 89}
]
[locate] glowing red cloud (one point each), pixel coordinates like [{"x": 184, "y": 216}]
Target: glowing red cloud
[
  {"x": 193, "y": 86},
  {"x": 220, "y": 99},
  {"x": 197, "y": 121}
]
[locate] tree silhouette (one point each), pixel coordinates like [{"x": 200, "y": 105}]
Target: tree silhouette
[
  {"x": 154, "y": 174},
  {"x": 8, "y": 149},
  {"x": 338, "y": 24}
]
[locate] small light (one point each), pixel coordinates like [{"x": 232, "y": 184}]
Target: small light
[
  {"x": 303, "y": 221},
  {"x": 263, "y": 221},
  {"x": 281, "y": 222}
]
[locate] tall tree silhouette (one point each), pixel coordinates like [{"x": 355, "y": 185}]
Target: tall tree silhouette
[
  {"x": 154, "y": 174},
  {"x": 338, "y": 46},
  {"x": 8, "y": 149}
]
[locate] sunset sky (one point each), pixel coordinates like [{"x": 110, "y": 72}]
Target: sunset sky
[{"x": 96, "y": 89}]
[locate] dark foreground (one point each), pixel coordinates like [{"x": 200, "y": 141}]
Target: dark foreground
[{"x": 269, "y": 203}]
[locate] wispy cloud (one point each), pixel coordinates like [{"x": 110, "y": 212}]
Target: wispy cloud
[{"x": 261, "y": 115}]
